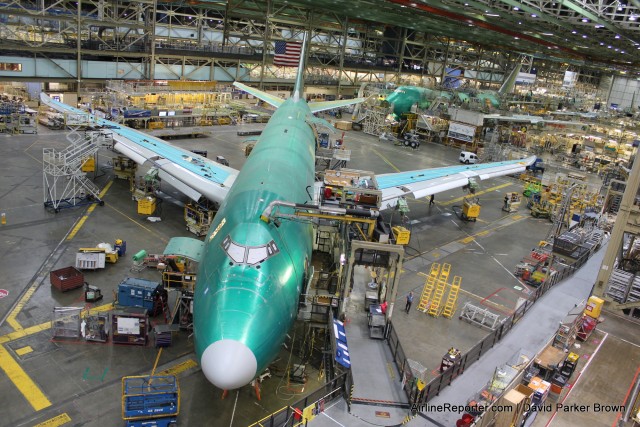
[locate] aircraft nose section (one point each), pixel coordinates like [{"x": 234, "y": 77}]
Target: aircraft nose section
[{"x": 228, "y": 364}]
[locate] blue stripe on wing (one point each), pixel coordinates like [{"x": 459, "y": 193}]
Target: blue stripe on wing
[
  {"x": 183, "y": 158},
  {"x": 403, "y": 178}
]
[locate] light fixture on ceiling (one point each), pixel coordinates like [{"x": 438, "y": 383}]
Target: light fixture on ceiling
[
  {"x": 585, "y": 20},
  {"x": 533, "y": 15},
  {"x": 617, "y": 36},
  {"x": 516, "y": 8}
]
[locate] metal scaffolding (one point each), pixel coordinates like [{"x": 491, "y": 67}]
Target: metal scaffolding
[
  {"x": 373, "y": 122},
  {"x": 64, "y": 181}
]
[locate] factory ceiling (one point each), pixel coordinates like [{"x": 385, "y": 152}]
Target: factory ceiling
[{"x": 602, "y": 34}]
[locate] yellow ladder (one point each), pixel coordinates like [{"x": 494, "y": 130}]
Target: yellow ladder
[
  {"x": 434, "y": 309},
  {"x": 429, "y": 285},
  {"x": 452, "y": 298}
]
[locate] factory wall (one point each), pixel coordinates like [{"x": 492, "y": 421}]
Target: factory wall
[{"x": 623, "y": 92}]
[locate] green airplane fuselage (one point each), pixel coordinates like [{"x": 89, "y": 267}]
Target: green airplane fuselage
[
  {"x": 237, "y": 297},
  {"x": 404, "y": 97}
]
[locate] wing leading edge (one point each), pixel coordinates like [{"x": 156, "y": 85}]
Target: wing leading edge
[
  {"x": 425, "y": 182},
  {"x": 188, "y": 172}
]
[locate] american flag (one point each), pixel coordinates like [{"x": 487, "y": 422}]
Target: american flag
[{"x": 287, "y": 53}]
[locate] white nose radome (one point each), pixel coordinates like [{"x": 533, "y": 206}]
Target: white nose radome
[{"x": 228, "y": 364}]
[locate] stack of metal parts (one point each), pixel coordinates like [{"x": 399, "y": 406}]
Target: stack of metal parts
[{"x": 479, "y": 316}]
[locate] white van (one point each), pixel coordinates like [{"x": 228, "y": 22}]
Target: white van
[{"x": 468, "y": 157}]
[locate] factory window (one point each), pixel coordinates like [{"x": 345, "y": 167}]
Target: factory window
[
  {"x": 10, "y": 66},
  {"x": 254, "y": 254}
]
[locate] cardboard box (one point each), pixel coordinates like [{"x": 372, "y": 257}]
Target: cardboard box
[{"x": 343, "y": 125}]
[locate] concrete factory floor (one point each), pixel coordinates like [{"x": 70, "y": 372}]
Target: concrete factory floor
[{"x": 80, "y": 383}]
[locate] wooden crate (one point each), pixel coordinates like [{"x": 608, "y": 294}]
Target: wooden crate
[
  {"x": 66, "y": 279},
  {"x": 343, "y": 125}
]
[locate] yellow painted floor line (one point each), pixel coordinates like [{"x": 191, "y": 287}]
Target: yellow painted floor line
[
  {"x": 56, "y": 421},
  {"x": 11, "y": 319},
  {"x": 409, "y": 258},
  {"x": 26, "y": 151},
  {"x": 21, "y": 380},
  {"x": 180, "y": 367},
  {"x": 488, "y": 190},
  {"x": 486, "y": 301},
  {"x": 162, "y": 238},
  {"x": 86, "y": 216},
  {"x": 24, "y": 350},
  {"x": 384, "y": 159},
  {"x": 25, "y": 332}
]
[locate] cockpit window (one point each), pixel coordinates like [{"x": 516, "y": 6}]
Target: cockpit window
[{"x": 250, "y": 255}]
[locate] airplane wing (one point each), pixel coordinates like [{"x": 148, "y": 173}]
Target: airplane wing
[
  {"x": 314, "y": 106},
  {"x": 328, "y": 105},
  {"x": 425, "y": 182},
  {"x": 188, "y": 172},
  {"x": 266, "y": 97}
]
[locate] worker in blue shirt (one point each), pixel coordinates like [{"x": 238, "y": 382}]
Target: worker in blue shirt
[{"x": 409, "y": 301}]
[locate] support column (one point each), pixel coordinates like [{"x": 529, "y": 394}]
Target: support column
[{"x": 626, "y": 221}]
